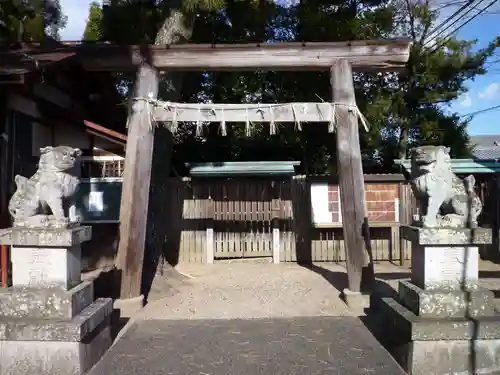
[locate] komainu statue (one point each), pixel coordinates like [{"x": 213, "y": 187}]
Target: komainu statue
[
  {"x": 444, "y": 199},
  {"x": 39, "y": 200}
]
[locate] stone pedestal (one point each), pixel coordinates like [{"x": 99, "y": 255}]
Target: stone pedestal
[
  {"x": 49, "y": 320},
  {"x": 442, "y": 320}
]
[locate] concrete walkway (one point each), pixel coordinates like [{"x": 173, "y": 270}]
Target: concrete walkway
[{"x": 286, "y": 346}]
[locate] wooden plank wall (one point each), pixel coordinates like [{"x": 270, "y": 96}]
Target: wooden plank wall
[
  {"x": 407, "y": 208},
  {"x": 242, "y": 222},
  {"x": 242, "y": 218},
  {"x": 192, "y": 225}
]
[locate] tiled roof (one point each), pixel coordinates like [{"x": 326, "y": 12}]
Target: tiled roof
[
  {"x": 486, "y": 147},
  {"x": 486, "y": 153}
]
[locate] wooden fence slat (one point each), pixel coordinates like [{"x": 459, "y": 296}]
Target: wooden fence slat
[{"x": 242, "y": 213}]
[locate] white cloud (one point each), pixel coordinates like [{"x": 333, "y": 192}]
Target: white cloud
[
  {"x": 491, "y": 91},
  {"x": 77, "y": 12},
  {"x": 466, "y": 101}
]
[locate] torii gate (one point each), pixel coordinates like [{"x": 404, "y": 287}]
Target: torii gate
[{"x": 340, "y": 58}]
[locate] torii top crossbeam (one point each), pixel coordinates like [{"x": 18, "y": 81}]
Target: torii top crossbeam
[
  {"x": 363, "y": 55},
  {"x": 387, "y": 54}
]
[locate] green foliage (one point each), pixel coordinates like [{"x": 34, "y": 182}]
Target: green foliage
[
  {"x": 93, "y": 29},
  {"x": 30, "y": 21},
  {"x": 404, "y": 109}
]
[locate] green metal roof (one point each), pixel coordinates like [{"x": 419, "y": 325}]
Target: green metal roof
[
  {"x": 462, "y": 166},
  {"x": 237, "y": 168}
]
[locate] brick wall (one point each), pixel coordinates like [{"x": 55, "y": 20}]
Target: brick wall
[
  {"x": 334, "y": 203},
  {"x": 381, "y": 201}
]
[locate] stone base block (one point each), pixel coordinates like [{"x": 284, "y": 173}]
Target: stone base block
[
  {"x": 129, "y": 307},
  {"x": 451, "y": 357},
  {"x": 437, "y": 303},
  {"x": 411, "y": 327},
  {"x": 50, "y": 346},
  {"x": 45, "y": 303},
  {"x": 44, "y": 267},
  {"x": 74, "y": 330},
  {"x": 54, "y": 357},
  {"x": 45, "y": 237},
  {"x": 445, "y": 267},
  {"x": 447, "y": 236},
  {"x": 442, "y": 346},
  {"x": 356, "y": 301}
]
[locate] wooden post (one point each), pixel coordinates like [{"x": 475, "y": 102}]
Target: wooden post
[
  {"x": 5, "y": 265},
  {"x": 496, "y": 220},
  {"x": 275, "y": 220},
  {"x": 395, "y": 249},
  {"x": 136, "y": 182},
  {"x": 399, "y": 245},
  {"x": 210, "y": 232},
  {"x": 351, "y": 182}
]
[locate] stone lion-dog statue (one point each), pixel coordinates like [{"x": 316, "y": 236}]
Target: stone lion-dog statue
[
  {"x": 39, "y": 200},
  {"x": 444, "y": 199}
]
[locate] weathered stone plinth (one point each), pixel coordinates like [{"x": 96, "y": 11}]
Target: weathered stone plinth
[
  {"x": 54, "y": 302},
  {"x": 436, "y": 303},
  {"x": 49, "y": 321},
  {"x": 442, "y": 346},
  {"x": 442, "y": 320}
]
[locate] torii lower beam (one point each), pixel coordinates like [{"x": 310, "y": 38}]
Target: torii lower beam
[{"x": 289, "y": 112}]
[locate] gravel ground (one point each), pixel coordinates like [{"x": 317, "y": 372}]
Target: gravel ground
[{"x": 248, "y": 291}]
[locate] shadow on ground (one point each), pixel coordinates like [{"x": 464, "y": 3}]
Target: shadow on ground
[
  {"x": 338, "y": 279},
  {"x": 373, "y": 320},
  {"x": 117, "y": 323}
]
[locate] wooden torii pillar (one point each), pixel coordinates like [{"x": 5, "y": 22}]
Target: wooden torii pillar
[
  {"x": 352, "y": 187},
  {"x": 135, "y": 188},
  {"x": 338, "y": 57}
]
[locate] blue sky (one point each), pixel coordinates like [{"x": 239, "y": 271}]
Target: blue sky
[{"x": 484, "y": 92}]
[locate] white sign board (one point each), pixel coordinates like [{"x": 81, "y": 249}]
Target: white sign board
[
  {"x": 319, "y": 204},
  {"x": 96, "y": 202}
]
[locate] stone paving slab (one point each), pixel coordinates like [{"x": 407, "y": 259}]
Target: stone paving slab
[{"x": 282, "y": 346}]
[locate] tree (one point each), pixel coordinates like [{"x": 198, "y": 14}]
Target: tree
[
  {"x": 436, "y": 75},
  {"x": 93, "y": 28},
  {"x": 404, "y": 109},
  {"x": 30, "y": 21}
]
